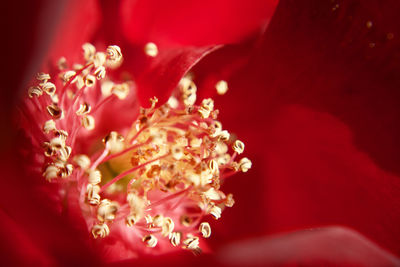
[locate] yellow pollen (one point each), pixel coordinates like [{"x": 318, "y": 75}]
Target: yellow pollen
[
  {"x": 222, "y": 87},
  {"x": 151, "y": 49}
]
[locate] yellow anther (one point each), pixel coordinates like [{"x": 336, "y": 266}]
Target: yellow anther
[
  {"x": 49, "y": 126},
  {"x": 62, "y": 63},
  {"x": 42, "y": 77},
  {"x": 208, "y": 104},
  {"x": 167, "y": 226},
  {"x": 213, "y": 166},
  {"x": 158, "y": 220},
  {"x": 205, "y": 229},
  {"x": 82, "y": 161},
  {"x": 215, "y": 128},
  {"x": 54, "y": 111},
  {"x": 107, "y": 210},
  {"x": 175, "y": 238},
  {"x": 100, "y": 230},
  {"x": 89, "y": 80},
  {"x": 114, "y": 142},
  {"x": 153, "y": 102},
  {"x": 94, "y": 177},
  {"x": 93, "y": 196},
  {"x": 131, "y": 220},
  {"x": 150, "y": 241},
  {"x": 121, "y": 90},
  {"x": 187, "y": 86},
  {"x": 151, "y": 49},
  {"x": 177, "y": 152},
  {"x": 51, "y": 172},
  {"x": 216, "y": 212},
  {"x": 137, "y": 205},
  {"x": 186, "y": 220},
  {"x": 54, "y": 98},
  {"x": 244, "y": 164},
  {"x": 65, "y": 152},
  {"x": 114, "y": 53},
  {"x": 106, "y": 88},
  {"x": 222, "y": 87},
  {"x": 83, "y": 109},
  {"x": 189, "y": 100},
  {"x": 88, "y": 51},
  {"x": 238, "y": 147},
  {"x": 192, "y": 242},
  {"x": 100, "y": 72},
  {"x": 173, "y": 102},
  {"x": 66, "y": 170},
  {"x": 68, "y": 75},
  {"x": 229, "y": 201},
  {"x": 212, "y": 194},
  {"x": 88, "y": 122},
  {"x": 188, "y": 89},
  {"x": 205, "y": 113},
  {"x": 57, "y": 143},
  {"x": 224, "y": 135},
  {"x": 34, "y": 91},
  {"x": 61, "y": 134},
  {"x": 49, "y": 88}
]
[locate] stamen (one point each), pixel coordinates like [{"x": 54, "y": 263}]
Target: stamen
[
  {"x": 150, "y": 241},
  {"x": 151, "y": 49},
  {"x": 222, "y": 87},
  {"x": 175, "y": 238},
  {"x": 205, "y": 229},
  {"x": 244, "y": 164},
  {"x": 163, "y": 177},
  {"x": 88, "y": 122},
  {"x": 54, "y": 111},
  {"x": 100, "y": 230},
  {"x": 238, "y": 147}
]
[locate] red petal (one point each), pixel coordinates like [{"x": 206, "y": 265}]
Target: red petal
[
  {"x": 76, "y": 23},
  {"x": 329, "y": 246},
  {"x": 320, "y": 108},
  {"x": 194, "y": 23},
  {"x": 321, "y": 57},
  {"x": 163, "y": 72},
  {"x": 316, "y": 175}
]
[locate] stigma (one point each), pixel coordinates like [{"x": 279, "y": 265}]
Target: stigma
[{"x": 159, "y": 178}]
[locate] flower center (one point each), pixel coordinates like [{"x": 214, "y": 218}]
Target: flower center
[{"x": 161, "y": 179}]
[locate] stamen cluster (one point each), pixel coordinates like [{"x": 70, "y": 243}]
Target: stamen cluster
[{"x": 161, "y": 177}]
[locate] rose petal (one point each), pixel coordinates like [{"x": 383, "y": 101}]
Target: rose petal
[
  {"x": 328, "y": 246},
  {"x": 193, "y": 23},
  {"x": 314, "y": 174},
  {"x": 78, "y": 23},
  {"x": 166, "y": 69},
  {"x": 320, "y": 111},
  {"x": 340, "y": 59}
]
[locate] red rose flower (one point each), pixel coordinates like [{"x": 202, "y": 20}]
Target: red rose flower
[{"x": 315, "y": 97}]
